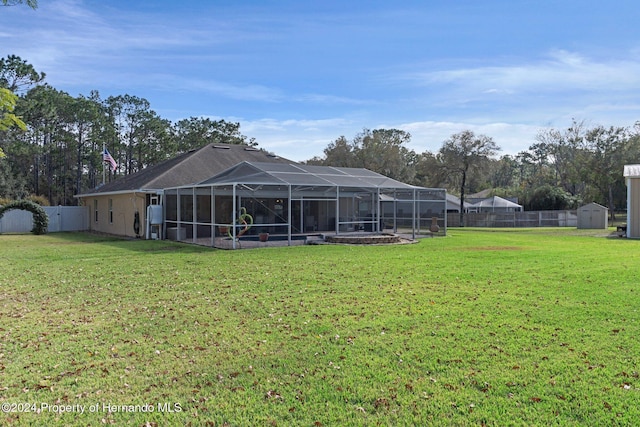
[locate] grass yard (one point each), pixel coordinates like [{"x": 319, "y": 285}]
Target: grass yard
[{"x": 482, "y": 327}]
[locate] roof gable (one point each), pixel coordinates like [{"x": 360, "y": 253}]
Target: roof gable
[
  {"x": 594, "y": 205},
  {"x": 495, "y": 202}
]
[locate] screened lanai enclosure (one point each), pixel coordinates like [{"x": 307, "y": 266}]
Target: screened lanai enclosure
[{"x": 256, "y": 204}]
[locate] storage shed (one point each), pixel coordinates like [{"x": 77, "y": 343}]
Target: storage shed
[
  {"x": 593, "y": 216},
  {"x": 632, "y": 179}
]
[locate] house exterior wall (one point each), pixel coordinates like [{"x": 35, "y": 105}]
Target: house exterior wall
[
  {"x": 115, "y": 213},
  {"x": 633, "y": 207}
]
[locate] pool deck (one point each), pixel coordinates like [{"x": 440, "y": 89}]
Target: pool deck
[{"x": 360, "y": 238}]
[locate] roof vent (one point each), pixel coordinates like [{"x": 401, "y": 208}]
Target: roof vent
[
  {"x": 222, "y": 147},
  {"x": 251, "y": 149}
]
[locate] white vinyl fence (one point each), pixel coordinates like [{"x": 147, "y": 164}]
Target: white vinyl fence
[{"x": 61, "y": 218}]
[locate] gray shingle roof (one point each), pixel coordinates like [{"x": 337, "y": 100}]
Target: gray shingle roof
[
  {"x": 187, "y": 168},
  {"x": 306, "y": 175}
]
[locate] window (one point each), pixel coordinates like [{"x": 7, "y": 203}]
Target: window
[
  {"x": 110, "y": 211},
  {"x": 95, "y": 210}
]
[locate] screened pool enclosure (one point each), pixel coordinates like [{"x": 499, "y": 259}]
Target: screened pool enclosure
[{"x": 291, "y": 202}]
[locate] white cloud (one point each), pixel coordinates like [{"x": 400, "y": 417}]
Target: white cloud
[
  {"x": 250, "y": 65},
  {"x": 297, "y": 139},
  {"x": 104, "y": 46},
  {"x": 248, "y": 92},
  {"x": 562, "y": 71},
  {"x": 429, "y": 135},
  {"x": 332, "y": 100},
  {"x": 303, "y": 139}
]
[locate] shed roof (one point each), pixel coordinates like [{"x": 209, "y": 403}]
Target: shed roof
[
  {"x": 594, "y": 205},
  {"x": 304, "y": 175},
  {"x": 632, "y": 171},
  {"x": 187, "y": 168}
]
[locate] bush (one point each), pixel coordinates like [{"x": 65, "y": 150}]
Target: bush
[
  {"x": 548, "y": 197},
  {"x": 40, "y": 200},
  {"x": 40, "y": 218}
]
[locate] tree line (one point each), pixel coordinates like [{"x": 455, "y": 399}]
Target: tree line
[
  {"x": 54, "y": 149},
  {"x": 561, "y": 169},
  {"x": 51, "y": 147}
]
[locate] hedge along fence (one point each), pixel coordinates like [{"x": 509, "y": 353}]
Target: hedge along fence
[{"x": 40, "y": 218}]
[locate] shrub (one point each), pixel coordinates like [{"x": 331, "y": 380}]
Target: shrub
[
  {"x": 547, "y": 197},
  {"x": 40, "y": 200}
]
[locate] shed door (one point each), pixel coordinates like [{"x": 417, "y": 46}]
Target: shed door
[
  {"x": 597, "y": 218},
  {"x": 591, "y": 217}
]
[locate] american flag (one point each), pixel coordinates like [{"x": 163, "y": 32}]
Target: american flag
[{"x": 106, "y": 157}]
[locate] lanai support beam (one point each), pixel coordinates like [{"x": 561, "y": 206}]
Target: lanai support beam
[
  {"x": 289, "y": 220},
  {"x": 234, "y": 215}
]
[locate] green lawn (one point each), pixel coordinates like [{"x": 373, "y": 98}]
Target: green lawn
[{"x": 482, "y": 327}]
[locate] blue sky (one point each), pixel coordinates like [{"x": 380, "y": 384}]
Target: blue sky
[{"x": 299, "y": 74}]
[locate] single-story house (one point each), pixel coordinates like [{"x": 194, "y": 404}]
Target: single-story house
[
  {"x": 453, "y": 203},
  {"x": 293, "y": 199},
  {"x": 195, "y": 195},
  {"x": 495, "y": 204},
  {"x": 120, "y": 207}
]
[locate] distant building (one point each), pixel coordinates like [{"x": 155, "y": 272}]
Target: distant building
[
  {"x": 632, "y": 179},
  {"x": 495, "y": 204},
  {"x": 593, "y": 216},
  {"x": 453, "y": 204}
]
